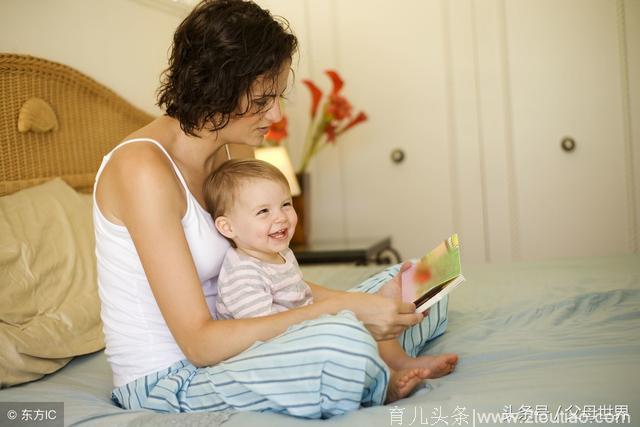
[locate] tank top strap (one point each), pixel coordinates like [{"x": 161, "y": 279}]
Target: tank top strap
[{"x": 153, "y": 141}]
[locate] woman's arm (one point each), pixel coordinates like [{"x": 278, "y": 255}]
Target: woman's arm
[
  {"x": 320, "y": 293},
  {"x": 392, "y": 289},
  {"x": 150, "y": 202},
  {"x": 384, "y": 318}
]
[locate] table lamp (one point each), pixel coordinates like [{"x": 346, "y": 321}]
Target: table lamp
[{"x": 279, "y": 158}]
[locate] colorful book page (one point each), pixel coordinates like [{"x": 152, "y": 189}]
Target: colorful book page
[{"x": 439, "y": 266}]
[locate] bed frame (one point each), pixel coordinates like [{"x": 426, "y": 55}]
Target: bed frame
[
  {"x": 57, "y": 122},
  {"x": 84, "y": 121}
]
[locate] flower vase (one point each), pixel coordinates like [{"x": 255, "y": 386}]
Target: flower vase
[{"x": 302, "y": 205}]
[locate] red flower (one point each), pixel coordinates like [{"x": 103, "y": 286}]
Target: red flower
[
  {"x": 330, "y": 130},
  {"x": 339, "y": 107},
  {"x": 277, "y": 131},
  {"x": 316, "y": 95},
  {"x": 335, "y": 118},
  {"x": 336, "y": 80},
  {"x": 361, "y": 117}
]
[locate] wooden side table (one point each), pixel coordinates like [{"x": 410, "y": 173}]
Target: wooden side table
[{"x": 359, "y": 251}]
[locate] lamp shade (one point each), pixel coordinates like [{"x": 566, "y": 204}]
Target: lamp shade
[{"x": 279, "y": 158}]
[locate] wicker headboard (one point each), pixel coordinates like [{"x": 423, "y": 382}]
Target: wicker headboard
[{"x": 91, "y": 119}]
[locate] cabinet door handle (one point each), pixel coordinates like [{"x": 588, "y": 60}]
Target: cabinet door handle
[
  {"x": 397, "y": 156},
  {"x": 568, "y": 144}
]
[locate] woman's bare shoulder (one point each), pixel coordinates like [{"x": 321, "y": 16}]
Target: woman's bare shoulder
[
  {"x": 139, "y": 157},
  {"x": 138, "y": 172}
]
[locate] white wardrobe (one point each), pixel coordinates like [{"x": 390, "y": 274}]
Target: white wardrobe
[{"x": 519, "y": 121}]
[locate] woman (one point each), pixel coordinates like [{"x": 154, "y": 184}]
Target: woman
[{"x": 159, "y": 254}]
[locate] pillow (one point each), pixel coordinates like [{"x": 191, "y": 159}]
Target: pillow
[{"x": 49, "y": 306}]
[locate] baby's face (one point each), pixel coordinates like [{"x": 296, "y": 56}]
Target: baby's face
[{"x": 263, "y": 219}]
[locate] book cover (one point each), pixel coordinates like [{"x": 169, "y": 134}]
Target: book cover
[{"x": 434, "y": 275}]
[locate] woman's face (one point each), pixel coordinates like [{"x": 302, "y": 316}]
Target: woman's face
[{"x": 264, "y": 110}]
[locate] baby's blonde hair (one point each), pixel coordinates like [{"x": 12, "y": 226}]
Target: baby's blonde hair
[{"x": 222, "y": 185}]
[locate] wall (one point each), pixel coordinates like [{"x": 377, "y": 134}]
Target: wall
[
  {"x": 447, "y": 82},
  {"x": 122, "y": 44},
  {"x": 479, "y": 96}
]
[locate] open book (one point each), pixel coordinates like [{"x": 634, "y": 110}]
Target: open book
[{"x": 434, "y": 275}]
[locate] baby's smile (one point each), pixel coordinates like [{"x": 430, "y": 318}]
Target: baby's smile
[{"x": 279, "y": 235}]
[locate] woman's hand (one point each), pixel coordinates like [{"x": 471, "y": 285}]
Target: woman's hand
[
  {"x": 393, "y": 288},
  {"x": 384, "y": 313},
  {"x": 385, "y": 318}
]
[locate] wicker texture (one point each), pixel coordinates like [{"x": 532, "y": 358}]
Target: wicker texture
[{"x": 92, "y": 119}]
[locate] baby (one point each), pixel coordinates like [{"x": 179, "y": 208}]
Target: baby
[{"x": 250, "y": 202}]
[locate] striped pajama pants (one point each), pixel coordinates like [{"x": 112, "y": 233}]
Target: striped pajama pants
[{"x": 316, "y": 369}]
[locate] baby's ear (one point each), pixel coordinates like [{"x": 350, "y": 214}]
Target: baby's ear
[{"x": 223, "y": 224}]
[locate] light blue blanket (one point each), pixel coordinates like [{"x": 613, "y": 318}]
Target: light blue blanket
[{"x": 549, "y": 341}]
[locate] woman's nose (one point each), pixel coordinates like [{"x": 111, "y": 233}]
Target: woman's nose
[{"x": 274, "y": 113}]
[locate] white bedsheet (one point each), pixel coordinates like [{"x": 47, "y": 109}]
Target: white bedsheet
[{"x": 561, "y": 335}]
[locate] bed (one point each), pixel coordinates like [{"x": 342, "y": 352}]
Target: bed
[{"x": 547, "y": 342}]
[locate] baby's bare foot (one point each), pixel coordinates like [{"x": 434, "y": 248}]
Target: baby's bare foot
[
  {"x": 438, "y": 365},
  {"x": 404, "y": 381}
]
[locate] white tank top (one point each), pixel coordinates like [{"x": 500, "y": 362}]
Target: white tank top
[{"x": 138, "y": 341}]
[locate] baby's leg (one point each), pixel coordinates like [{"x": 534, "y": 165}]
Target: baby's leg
[
  {"x": 414, "y": 338},
  {"x": 398, "y": 354},
  {"x": 438, "y": 365}
]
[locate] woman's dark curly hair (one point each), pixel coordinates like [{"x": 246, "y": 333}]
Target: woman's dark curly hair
[{"x": 218, "y": 52}]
